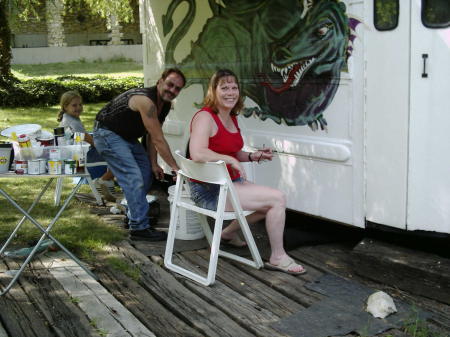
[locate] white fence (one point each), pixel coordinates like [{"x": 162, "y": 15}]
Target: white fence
[{"x": 67, "y": 54}]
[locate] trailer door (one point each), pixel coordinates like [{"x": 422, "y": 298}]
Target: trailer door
[{"x": 428, "y": 206}]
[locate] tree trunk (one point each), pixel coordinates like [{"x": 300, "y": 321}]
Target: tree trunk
[
  {"x": 5, "y": 42},
  {"x": 55, "y": 28}
]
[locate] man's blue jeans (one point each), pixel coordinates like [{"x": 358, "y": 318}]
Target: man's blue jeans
[{"x": 129, "y": 163}]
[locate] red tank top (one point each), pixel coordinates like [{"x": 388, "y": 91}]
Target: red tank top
[{"x": 224, "y": 141}]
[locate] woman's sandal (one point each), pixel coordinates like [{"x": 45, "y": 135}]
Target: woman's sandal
[
  {"x": 235, "y": 242},
  {"x": 286, "y": 265}
]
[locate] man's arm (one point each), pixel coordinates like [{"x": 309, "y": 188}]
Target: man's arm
[
  {"x": 153, "y": 154},
  {"x": 149, "y": 116}
]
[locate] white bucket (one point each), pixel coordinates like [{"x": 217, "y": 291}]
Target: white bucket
[
  {"x": 188, "y": 225},
  {"x": 5, "y": 155}
]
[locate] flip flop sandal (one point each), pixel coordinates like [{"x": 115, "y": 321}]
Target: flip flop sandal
[
  {"x": 285, "y": 265},
  {"x": 235, "y": 242}
]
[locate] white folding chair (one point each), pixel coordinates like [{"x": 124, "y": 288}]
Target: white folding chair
[{"x": 213, "y": 173}]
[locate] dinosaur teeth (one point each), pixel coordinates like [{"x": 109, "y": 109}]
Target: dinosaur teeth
[
  {"x": 284, "y": 71},
  {"x": 299, "y": 73}
]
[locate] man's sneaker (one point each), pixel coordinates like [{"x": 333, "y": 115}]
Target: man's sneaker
[
  {"x": 148, "y": 234},
  {"x": 105, "y": 188}
]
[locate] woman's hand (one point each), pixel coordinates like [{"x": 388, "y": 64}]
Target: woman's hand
[
  {"x": 236, "y": 165},
  {"x": 262, "y": 155}
]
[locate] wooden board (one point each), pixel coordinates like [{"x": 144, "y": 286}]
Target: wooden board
[
  {"x": 265, "y": 296},
  {"x": 203, "y": 316},
  {"x": 417, "y": 272},
  {"x": 104, "y": 311},
  {"x": 140, "y": 302},
  {"x": 18, "y": 313}
]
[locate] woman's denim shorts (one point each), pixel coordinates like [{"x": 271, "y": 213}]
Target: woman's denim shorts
[{"x": 206, "y": 195}]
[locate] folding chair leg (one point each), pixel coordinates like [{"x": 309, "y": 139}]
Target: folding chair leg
[
  {"x": 203, "y": 219},
  {"x": 215, "y": 242}
]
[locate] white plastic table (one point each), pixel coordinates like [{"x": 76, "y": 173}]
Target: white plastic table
[{"x": 45, "y": 230}]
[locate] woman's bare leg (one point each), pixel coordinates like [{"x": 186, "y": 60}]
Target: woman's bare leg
[
  {"x": 272, "y": 202},
  {"x": 231, "y": 230}
]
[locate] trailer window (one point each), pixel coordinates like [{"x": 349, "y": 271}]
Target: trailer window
[
  {"x": 436, "y": 13},
  {"x": 385, "y": 14}
]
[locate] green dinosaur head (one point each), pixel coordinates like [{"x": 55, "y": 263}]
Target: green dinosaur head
[
  {"x": 288, "y": 54},
  {"x": 303, "y": 72}
]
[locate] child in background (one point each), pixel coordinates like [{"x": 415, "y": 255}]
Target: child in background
[{"x": 69, "y": 117}]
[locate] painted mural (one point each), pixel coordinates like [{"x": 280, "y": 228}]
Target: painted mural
[{"x": 288, "y": 54}]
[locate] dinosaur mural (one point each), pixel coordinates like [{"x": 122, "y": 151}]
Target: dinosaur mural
[{"x": 288, "y": 54}]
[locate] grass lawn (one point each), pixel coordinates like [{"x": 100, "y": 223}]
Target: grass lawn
[
  {"x": 78, "y": 229},
  {"x": 112, "y": 68}
]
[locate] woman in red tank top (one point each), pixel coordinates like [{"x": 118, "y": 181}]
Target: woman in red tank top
[{"x": 215, "y": 135}]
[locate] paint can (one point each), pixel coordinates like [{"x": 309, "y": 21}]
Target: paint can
[
  {"x": 70, "y": 166},
  {"x": 59, "y": 136},
  {"x": 24, "y": 141},
  {"x": 5, "y": 156},
  {"x": 54, "y": 154},
  {"x": 33, "y": 166},
  {"x": 78, "y": 138},
  {"x": 42, "y": 166},
  {"x": 54, "y": 167},
  {"x": 21, "y": 167}
]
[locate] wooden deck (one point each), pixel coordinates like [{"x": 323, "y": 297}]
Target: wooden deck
[{"x": 56, "y": 298}]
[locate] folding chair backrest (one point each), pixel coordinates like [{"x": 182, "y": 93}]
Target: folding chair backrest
[{"x": 211, "y": 172}]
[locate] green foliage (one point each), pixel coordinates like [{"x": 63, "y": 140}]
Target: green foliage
[
  {"x": 45, "y": 92},
  {"x": 120, "y": 8},
  {"x": 386, "y": 14}
]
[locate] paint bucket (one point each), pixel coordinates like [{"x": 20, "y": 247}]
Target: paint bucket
[
  {"x": 42, "y": 166},
  {"x": 33, "y": 166},
  {"x": 5, "y": 157},
  {"x": 21, "y": 167},
  {"x": 70, "y": 166},
  {"x": 54, "y": 167},
  {"x": 46, "y": 138},
  {"x": 54, "y": 153},
  {"x": 188, "y": 225}
]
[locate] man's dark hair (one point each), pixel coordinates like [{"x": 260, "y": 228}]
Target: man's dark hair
[{"x": 177, "y": 71}]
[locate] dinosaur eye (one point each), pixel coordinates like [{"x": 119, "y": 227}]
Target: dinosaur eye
[{"x": 322, "y": 31}]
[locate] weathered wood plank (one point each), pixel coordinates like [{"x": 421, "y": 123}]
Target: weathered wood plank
[
  {"x": 158, "y": 248},
  {"x": 18, "y": 314},
  {"x": 416, "y": 272},
  {"x": 246, "y": 285},
  {"x": 321, "y": 261},
  {"x": 62, "y": 316},
  {"x": 141, "y": 303},
  {"x": 182, "y": 302},
  {"x": 289, "y": 285},
  {"x": 104, "y": 311},
  {"x": 244, "y": 311}
]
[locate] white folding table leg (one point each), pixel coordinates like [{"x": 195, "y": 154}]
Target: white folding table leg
[
  {"x": 97, "y": 196},
  {"x": 19, "y": 224},
  {"x": 46, "y": 232},
  {"x": 58, "y": 191}
]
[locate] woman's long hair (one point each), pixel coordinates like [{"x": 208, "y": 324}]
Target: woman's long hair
[
  {"x": 210, "y": 100},
  {"x": 65, "y": 100}
]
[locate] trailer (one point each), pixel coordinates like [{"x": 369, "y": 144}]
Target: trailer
[{"x": 354, "y": 97}]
